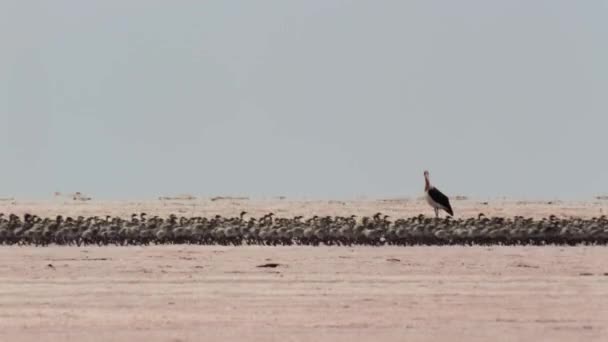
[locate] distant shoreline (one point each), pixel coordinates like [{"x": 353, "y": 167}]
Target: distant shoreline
[{"x": 286, "y": 207}]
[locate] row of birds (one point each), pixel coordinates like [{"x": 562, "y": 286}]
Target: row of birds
[{"x": 270, "y": 230}]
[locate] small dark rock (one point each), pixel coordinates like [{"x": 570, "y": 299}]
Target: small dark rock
[{"x": 269, "y": 265}]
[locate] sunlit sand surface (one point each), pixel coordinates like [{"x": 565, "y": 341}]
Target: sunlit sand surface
[
  {"x": 396, "y": 208},
  {"x": 196, "y": 293}
]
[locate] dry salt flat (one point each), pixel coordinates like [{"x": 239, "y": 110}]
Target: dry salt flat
[
  {"x": 193, "y": 293},
  {"x": 232, "y": 206}
]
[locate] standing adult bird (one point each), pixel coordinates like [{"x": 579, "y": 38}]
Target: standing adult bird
[{"x": 436, "y": 198}]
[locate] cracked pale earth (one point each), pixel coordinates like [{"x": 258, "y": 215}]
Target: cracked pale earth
[{"x": 206, "y": 293}]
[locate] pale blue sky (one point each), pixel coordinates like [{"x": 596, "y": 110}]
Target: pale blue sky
[{"x": 314, "y": 98}]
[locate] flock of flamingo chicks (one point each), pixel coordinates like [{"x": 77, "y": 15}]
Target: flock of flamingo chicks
[
  {"x": 338, "y": 230},
  {"x": 270, "y": 230}
]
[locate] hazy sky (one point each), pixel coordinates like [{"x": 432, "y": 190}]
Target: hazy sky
[{"x": 313, "y": 98}]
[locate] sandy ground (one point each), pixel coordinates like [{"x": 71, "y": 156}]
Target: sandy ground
[
  {"x": 194, "y": 293},
  {"x": 198, "y": 293},
  {"x": 396, "y": 208}
]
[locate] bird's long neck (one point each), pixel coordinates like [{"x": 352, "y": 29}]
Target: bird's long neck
[{"x": 427, "y": 183}]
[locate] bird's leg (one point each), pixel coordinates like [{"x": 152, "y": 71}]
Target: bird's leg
[{"x": 436, "y": 213}]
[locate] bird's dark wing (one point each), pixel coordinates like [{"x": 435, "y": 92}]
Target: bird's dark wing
[{"x": 442, "y": 199}]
